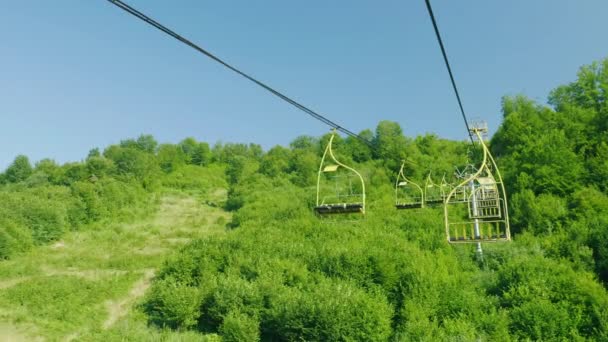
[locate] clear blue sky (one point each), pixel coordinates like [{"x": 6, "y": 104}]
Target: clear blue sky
[{"x": 81, "y": 74}]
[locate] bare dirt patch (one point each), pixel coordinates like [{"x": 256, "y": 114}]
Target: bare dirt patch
[{"x": 119, "y": 308}]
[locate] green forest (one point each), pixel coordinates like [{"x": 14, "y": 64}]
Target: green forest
[{"x": 270, "y": 269}]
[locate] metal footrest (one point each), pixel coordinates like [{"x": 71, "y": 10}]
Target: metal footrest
[
  {"x": 340, "y": 208},
  {"x": 466, "y": 239},
  {"x": 408, "y": 205}
]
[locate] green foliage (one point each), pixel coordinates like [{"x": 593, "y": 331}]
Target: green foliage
[
  {"x": 45, "y": 202},
  {"x": 79, "y": 299},
  {"x": 145, "y": 143},
  {"x": 548, "y": 300},
  {"x": 196, "y": 179},
  {"x": 99, "y": 166},
  {"x": 197, "y": 153},
  {"x": 541, "y": 214},
  {"x": 281, "y": 273},
  {"x": 331, "y": 311},
  {"x": 133, "y": 163},
  {"x": 554, "y": 160},
  {"x": 13, "y": 238},
  {"x": 389, "y": 144},
  {"x": 276, "y": 161},
  {"x": 360, "y": 151},
  {"x": 170, "y": 157},
  {"x": 49, "y": 168},
  {"x": 19, "y": 170},
  {"x": 44, "y": 211},
  {"x": 239, "y": 327},
  {"x": 173, "y": 304}
]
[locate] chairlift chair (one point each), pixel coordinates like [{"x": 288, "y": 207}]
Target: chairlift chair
[
  {"x": 340, "y": 188},
  {"x": 408, "y": 195},
  {"x": 434, "y": 194},
  {"x": 476, "y": 209}
]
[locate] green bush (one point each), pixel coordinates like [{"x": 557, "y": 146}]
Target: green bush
[
  {"x": 174, "y": 305},
  {"x": 330, "y": 311},
  {"x": 237, "y": 327},
  {"x": 195, "y": 178},
  {"x": 13, "y": 239}
]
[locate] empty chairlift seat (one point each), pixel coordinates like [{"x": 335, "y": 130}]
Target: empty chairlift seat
[
  {"x": 340, "y": 188},
  {"x": 435, "y": 194},
  {"x": 476, "y": 209},
  {"x": 408, "y": 195}
]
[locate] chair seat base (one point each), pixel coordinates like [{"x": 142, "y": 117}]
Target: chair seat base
[
  {"x": 436, "y": 201},
  {"x": 339, "y": 208},
  {"x": 408, "y": 205},
  {"x": 467, "y": 239}
]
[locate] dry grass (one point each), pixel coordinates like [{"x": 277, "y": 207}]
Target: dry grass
[{"x": 120, "y": 251}]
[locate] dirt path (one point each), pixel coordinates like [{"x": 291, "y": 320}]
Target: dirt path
[
  {"x": 119, "y": 308},
  {"x": 120, "y": 251},
  {"x": 10, "y": 333},
  {"x": 12, "y": 282}
]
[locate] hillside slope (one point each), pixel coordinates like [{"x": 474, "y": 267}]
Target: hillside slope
[{"x": 85, "y": 283}]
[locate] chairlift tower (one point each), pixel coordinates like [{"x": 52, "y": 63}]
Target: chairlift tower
[{"x": 478, "y": 129}]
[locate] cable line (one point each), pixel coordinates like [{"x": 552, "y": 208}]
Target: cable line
[
  {"x": 447, "y": 64},
  {"x": 273, "y": 91}
]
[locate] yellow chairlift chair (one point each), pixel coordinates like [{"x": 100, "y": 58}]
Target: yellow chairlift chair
[
  {"x": 408, "y": 195},
  {"x": 435, "y": 194},
  {"x": 340, "y": 188},
  {"x": 476, "y": 209}
]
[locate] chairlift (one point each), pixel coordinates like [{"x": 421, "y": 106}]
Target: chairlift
[
  {"x": 476, "y": 209},
  {"x": 435, "y": 194},
  {"x": 408, "y": 195},
  {"x": 340, "y": 188},
  {"x": 461, "y": 192}
]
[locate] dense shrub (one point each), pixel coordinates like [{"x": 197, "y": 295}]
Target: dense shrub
[
  {"x": 239, "y": 327},
  {"x": 196, "y": 178},
  {"x": 173, "y": 304},
  {"x": 330, "y": 311},
  {"x": 13, "y": 238}
]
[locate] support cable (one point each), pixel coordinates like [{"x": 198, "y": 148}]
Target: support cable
[
  {"x": 120, "y": 4},
  {"x": 447, "y": 64}
]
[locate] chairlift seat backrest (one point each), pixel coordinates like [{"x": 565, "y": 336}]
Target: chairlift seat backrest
[{"x": 331, "y": 168}]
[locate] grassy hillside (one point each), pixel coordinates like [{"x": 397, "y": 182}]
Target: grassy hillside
[{"x": 140, "y": 242}]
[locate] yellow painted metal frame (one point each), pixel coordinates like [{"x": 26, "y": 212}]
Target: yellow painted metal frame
[
  {"x": 502, "y": 197},
  {"x": 430, "y": 184},
  {"x": 329, "y": 151},
  {"x": 400, "y": 177}
]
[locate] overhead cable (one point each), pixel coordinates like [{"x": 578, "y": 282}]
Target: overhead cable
[
  {"x": 273, "y": 91},
  {"x": 447, "y": 64}
]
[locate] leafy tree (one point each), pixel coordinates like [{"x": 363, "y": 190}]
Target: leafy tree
[
  {"x": 99, "y": 166},
  {"x": 94, "y": 153},
  {"x": 170, "y": 157},
  {"x": 19, "y": 170},
  {"x": 303, "y": 167},
  {"x": 50, "y": 168},
  {"x": 276, "y": 161},
  {"x": 389, "y": 144},
  {"x": 197, "y": 153},
  {"x": 359, "y": 150},
  {"x": 305, "y": 142},
  {"x": 144, "y": 142}
]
